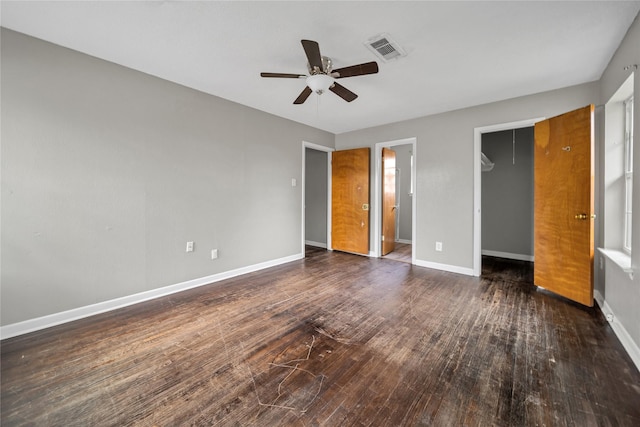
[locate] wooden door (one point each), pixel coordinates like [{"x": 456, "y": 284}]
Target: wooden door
[
  {"x": 563, "y": 205},
  {"x": 388, "y": 200},
  {"x": 350, "y": 200}
]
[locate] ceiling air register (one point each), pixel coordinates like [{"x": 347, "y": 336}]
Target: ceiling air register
[{"x": 385, "y": 47}]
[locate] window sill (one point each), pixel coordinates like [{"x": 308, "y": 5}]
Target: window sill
[{"x": 619, "y": 258}]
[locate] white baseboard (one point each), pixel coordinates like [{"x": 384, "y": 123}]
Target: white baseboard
[
  {"x": 625, "y": 339},
  {"x": 55, "y": 319},
  {"x": 599, "y": 299},
  {"x": 508, "y": 255},
  {"x": 316, "y": 244},
  {"x": 445, "y": 267},
  {"x": 408, "y": 242}
]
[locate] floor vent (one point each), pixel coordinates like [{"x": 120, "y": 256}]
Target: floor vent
[{"x": 385, "y": 47}]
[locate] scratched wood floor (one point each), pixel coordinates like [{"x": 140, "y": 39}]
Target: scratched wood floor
[
  {"x": 331, "y": 340},
  {"x": 402, "y": 252}
]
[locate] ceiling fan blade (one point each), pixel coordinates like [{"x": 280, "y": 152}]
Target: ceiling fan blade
[
  {"x": 283, "y": 75},
  {"x": 312, "y": 49},
  {"x": 343, "y": 92},
  {"x": 356, "y": 70},
  {"x": 303, "y": 96}
]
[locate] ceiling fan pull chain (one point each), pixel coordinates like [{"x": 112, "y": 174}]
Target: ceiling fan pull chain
[{"x": 514, "y": 146}]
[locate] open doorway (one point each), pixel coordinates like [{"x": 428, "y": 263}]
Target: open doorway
[
  {"x": 316, "y": 194},
  {"x": 403, "y": 207},
  {"x": 509, "y": 129},
  {"x": 563, "y": 203},
  {"x": 507, "y": 194}
]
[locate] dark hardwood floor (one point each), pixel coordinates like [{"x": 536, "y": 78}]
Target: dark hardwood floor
[
  {"x": 334, "y": 339},
  {"x": 402, "y": 252}
]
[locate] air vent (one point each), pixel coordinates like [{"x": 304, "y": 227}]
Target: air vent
[{"x": 385, "y": 47}]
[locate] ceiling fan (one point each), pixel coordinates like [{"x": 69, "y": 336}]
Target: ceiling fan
[{"x": 322, "y": 76}]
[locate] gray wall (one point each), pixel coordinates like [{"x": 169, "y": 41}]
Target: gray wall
[
  {"x": 316, "y": 176},
  {"x": 507, "y": 193},
  {"x": 444, "y": 161},
  {"x": 403, "y": 198},
  {"x": 620, "y": 292},
  {"x": 108, "y": 172}
]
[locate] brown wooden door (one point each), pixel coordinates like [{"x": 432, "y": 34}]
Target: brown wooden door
[
  {"x": 388, "y": 200},
  {"x": 563, "y": 198},
  {"x": 350, "y": 200}
]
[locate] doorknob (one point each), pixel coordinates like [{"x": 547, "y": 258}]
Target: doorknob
[{"x": 584, "y": 216}]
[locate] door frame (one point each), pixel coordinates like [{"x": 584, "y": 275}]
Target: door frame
[
  {"x": 377, "y": 195},
  {"x": 477, "y": 182},
  {"x": 328, "y": 151},
  {"x": 384, "y": 176}
]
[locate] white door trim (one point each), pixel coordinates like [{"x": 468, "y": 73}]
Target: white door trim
[
  {"x": 377, "y": 195},
  {"x": 327, "y": 150},
  {"x": 477, "y": 182}
]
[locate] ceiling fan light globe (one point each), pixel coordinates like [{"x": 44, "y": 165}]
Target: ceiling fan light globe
[{"x": 319, "y": 83}]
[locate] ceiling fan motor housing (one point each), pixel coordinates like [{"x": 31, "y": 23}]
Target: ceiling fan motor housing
[{"x": 327, "y": 66}]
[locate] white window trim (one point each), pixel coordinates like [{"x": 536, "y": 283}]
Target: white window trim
[{"x": 628, "y": 173}]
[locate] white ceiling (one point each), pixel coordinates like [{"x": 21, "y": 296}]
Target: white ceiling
[{"x": 460, "y": 54}]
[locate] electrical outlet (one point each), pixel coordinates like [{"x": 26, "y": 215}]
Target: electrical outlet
[
  {"x": 214, "y": 254},
  {"x": 610, "y": 317},
  {"x": 189, "y": 246},
  {"x": 439, "y": 246}
]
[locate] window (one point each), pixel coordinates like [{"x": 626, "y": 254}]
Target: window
[
  {"x": 628, "y": 170},
  {"x": 617, "y": 176}
]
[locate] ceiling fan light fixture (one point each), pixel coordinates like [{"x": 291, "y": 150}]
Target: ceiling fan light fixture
[
  {"x": 322, "y": 76},
  {"x": 319, "y": 83}
]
